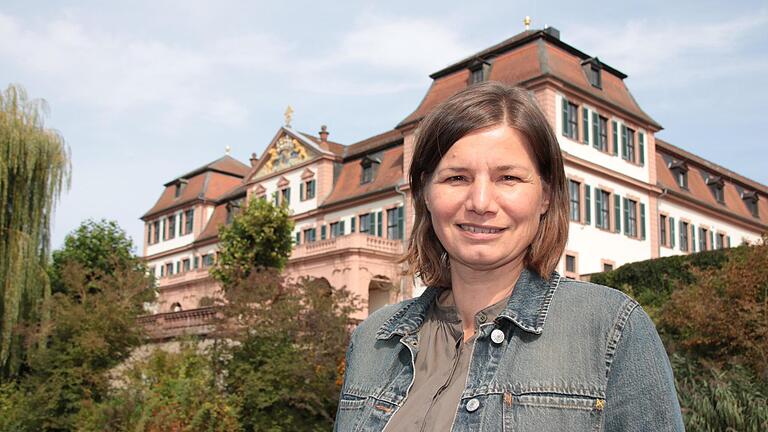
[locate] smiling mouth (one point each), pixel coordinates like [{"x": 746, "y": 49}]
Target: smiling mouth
[{"x": 480, "y": 229}]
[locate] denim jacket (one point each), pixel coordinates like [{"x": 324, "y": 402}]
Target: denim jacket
[{"x": 568, "y": 356}]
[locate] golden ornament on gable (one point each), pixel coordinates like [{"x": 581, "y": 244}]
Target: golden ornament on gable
[{"x": 287, "y": 152}]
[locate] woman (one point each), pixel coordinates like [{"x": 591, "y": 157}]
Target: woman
[{"x": 500, "y": 341}]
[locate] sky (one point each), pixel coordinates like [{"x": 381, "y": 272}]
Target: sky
[{"x": 145, "y": 91}]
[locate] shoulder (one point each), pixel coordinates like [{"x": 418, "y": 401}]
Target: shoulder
[
  {"x": 588, "y": 296},
  {"x": 371, "y": 325}
]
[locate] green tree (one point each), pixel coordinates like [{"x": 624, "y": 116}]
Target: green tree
[
  {"x": 258, "y": 237},
  {"x": 34, "y": 170},
  {"x": 284, "y": 367},
  {"x": 100, "y": 248},
  {"x": 91, "y": 329}
]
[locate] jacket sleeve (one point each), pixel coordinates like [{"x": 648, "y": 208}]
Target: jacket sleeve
[{"x": 640, "y": 394}]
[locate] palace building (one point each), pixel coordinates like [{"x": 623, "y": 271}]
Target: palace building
[{"x": 632, "y": 196}]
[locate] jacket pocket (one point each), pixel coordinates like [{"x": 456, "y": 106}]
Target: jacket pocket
[
  {"x": 551, "y": 412},
  {"x": 350, "y": 414}
]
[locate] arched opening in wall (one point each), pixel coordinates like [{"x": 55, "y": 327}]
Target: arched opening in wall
[
  {"x": 379, "y": 293},
  {"x": 176, "y": 307}
]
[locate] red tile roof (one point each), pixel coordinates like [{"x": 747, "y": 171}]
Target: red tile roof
[
  {"x": 207, "y": 183},
  {"x": 347, "y": 185},
  {"x": 218, "y": 218},
  {"x": 524, "y": 57},
  {"x": 699, "y": 191}
]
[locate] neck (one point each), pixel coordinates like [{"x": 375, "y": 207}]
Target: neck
[{"x": 474, "y": 290}]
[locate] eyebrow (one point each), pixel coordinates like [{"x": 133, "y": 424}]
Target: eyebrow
[{"x": 498, "y": 168}]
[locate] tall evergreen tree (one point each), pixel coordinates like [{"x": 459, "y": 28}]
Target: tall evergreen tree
[{"x": 34, "y": 170}]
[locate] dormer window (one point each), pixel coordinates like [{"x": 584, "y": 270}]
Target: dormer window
[
  {"x": 680, "y": 171},
  {"x": 592, "y": 69},
  {"x": 716, "y": 185},
  {"x": 478, "y": 71},
  {"x": 233, "y": 208},
  {"x": 369, "y": 167},
  {"x": 750, "y": 199},
  {"x": 180, "y": 185}
]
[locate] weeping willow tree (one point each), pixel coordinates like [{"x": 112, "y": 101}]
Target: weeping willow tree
[{"x": 34, "y": 169}]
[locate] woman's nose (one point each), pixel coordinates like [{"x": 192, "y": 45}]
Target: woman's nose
[{"x": 482, "y": 197}]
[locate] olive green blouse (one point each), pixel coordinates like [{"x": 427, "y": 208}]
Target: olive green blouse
[{"x": 441, "y": 367}]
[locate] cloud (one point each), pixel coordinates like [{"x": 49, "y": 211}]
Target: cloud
[{"x": 651, "y": 50}]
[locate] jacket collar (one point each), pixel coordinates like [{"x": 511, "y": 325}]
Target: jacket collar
[{"x": 527, "y": 307}]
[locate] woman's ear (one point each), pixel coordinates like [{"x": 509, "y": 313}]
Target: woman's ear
[{"x": 545, "y": 195}]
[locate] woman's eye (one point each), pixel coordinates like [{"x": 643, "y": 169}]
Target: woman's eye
[
  {"x": 509, "y": 178},
  {"x": 455, "y": 179}
]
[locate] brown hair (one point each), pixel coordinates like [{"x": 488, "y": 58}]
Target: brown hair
[{"x": 477, "y": 107}]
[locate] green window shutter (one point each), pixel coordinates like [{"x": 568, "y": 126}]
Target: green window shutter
[
  {"x": 274, "y": 197},
  {"x": 693, "y": 238},
  {"x": 616, "y": 213},
  {"x": 641, "y": 140},
  {"x": 341, "y": 227},
  {"x": 288, "y": 196},
  {"x": 728, "y": 241},
  {"x": 301, "y": 191},
  {"x": 322, "y": 232},
  {"x": 585, "y": 124},
  {"x": 352, "y": 224},
  {"x": 565, "y": 117},
  {"x": 615, "y": 127},
  {"x": 642, "y": 221},
  {"x": 624, "y": 149},
  {"x": 595, "y": 130},
  {"x": 672, "y": 232},
  {"x": 162, "y": 228},
  {"x": 196, "y": 262},
  {"x": 626, "y": 216},
  {"x": 587, "y": 204},
  {"x": 599, "y": 222},
  {"x": 372, "y": 224},
  {"x": 298, "y": 237},
  {"x": 400, "y": 223},
  {"x": 711, "y": 239},
  {"x": 378, "y": 224}
]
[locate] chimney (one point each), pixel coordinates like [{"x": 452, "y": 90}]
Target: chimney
[
  {"x": 254, "y": 160},
  {"x": 324, "y": 137}
]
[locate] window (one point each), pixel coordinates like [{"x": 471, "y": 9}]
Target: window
[
  {"x": 186, "y": 265},
  {"x": 684, "y": 236},
  {"x": 307, "y": 190},
  {"x": 750, "y": 200},
  {"x": 189, "y": 219},
  {"x": 368, "y": 165},
  {"x": 680, "y": 172},
  {"x": 322, "y": 232},
  {"x": 570, "y": 263},
  {"x": 395, "y": 223},
  {"x": 630, "y": 217},
  {"x": 476, "y": 76},
  {"x": 607, "y": 267},
  {"x": 169, "y": 269},
  {"x": 310, "y": 235},
  {"x": 601, "y": 132},
  {"x": 156, "y": 231},
  {"x": 574, "y": 189},
  {"x": 367, "y": 223},
  {"x": 180, "y": 185},
  {"x": 207, "y": 260},
  {"x": 297, "y": 238},
  {"x": 720, "y": 240},
  {"x": 663, "y": 230},
  {"x": 602, "y": 209},
  {"x": 337, "y": 229},
  {"x": 176, "y": 307},
  {"x": 703, "y": 234},
  {"x": 285, "y": 196},
  {"x": 570, "y": 120},
  {"x": 171, "y": 226},
  {"x": 628, "y": 144},
  {"x": 716, "y": 185}
]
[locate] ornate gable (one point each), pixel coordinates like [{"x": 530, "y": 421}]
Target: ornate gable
[{"x": 284, "y": 152}]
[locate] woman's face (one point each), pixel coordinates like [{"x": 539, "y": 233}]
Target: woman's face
[{"x": 486, "y": 199}]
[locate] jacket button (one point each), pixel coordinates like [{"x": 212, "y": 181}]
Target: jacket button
[
  {"x": 497, "y": 336},
  {"x": 482, "y": 317},
  {"x": 473, "y": 405}
]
